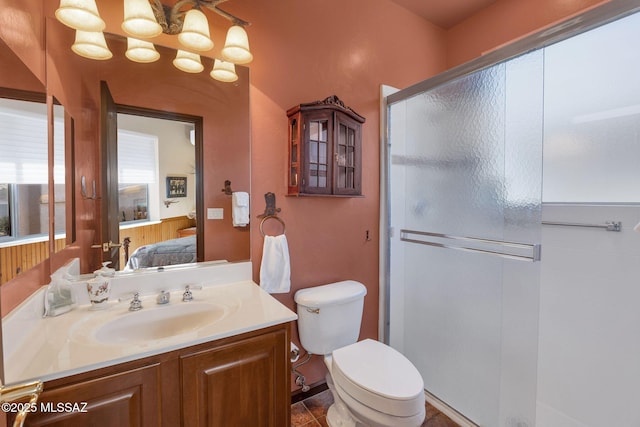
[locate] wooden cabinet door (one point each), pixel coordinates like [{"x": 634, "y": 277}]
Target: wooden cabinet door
[
  {"x": 239, "y": 384},
  {"x": 130, "y": 398}
]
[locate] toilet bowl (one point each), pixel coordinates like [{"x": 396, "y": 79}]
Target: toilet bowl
[
  {"x": 377, "y": 384},
  {"x": 372, "y": 384}
]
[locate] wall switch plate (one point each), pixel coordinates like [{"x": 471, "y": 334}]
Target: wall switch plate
[{"x": 215, "y": 213}]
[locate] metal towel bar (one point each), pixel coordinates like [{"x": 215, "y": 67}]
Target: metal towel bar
[
  {"x": 609, "y": 226},
  {"x": 498, "y": 244}
]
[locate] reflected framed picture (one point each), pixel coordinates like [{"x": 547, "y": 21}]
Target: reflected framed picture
[{"x": 176, "y": 186}]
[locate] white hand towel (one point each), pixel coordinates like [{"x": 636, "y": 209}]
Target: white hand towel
[
  {"x": 240, "y": 208},
  {"x": 275, "y": 269}
]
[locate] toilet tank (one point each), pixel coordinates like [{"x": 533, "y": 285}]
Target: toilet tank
[{"x": 329, "y": 316}]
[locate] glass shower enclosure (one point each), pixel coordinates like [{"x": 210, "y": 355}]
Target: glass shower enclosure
[{"x": 464, "y": 207}]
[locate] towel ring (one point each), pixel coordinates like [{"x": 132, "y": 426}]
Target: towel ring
[{"x": 284, "y": 228}]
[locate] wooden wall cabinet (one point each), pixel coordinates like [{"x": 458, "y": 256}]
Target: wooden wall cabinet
[
  {"x": 325, "y": 149},
  {"x": 236, "y": 381}
]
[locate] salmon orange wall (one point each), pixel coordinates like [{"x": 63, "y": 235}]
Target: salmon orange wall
[{"x": 306, "y": 51}]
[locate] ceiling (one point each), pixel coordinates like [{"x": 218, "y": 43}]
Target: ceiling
[{"x": 444, "y": 13}]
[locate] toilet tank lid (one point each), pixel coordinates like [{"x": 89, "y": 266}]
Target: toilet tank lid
[{"x": 333, "y": 293}]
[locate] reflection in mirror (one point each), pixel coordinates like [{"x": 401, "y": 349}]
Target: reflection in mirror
[
  {"x": 157, "y": 221},
  {"x": 24, "y": 211},
  {"x": 24, "y": 178}
]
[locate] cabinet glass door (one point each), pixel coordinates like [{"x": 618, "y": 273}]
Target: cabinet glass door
[
  {"x": 347, "y": 156},
  {"x": 318, "y": 168}
]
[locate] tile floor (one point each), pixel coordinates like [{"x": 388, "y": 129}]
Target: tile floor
[{"x": 312, "y": 412}]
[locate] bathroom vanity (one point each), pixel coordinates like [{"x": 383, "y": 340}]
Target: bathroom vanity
[{"x": 219, "y": 360}]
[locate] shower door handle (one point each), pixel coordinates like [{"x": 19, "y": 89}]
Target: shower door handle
[{"x": 520, "y": 251}]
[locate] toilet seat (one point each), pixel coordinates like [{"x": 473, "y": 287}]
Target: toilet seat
[{"x": 379, "y": 377}]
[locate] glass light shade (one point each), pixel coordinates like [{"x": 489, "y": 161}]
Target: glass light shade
[
  {"x": 224, "y": 71},
  {"x": 141, "y": 51},
  {"x": 91, "y": 44},
  {"x": 195, "y": 31},
  {"x": 139, "y": 20},
  {"x": 236, "y": 47},
  {"x": 80, "y": 15},
  {"x": 188, "y": 62}
]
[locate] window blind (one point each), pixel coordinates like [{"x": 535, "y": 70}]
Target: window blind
[
  {"x": 137, "y": 158},
  {"x": 23, "y": 144}
]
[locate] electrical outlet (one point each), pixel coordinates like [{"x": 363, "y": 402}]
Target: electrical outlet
[{"x": 215, "y": 213}]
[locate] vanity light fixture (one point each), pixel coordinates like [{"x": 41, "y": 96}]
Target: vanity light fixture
[
  {"x": 141, "y": 51},
  {"x": 188, "y": 62},
  {"x": 236, "y": 46},
  {"x": 224, "y": 71},
  {"x": 91, "y": 44},
  {"x": 144, "y": 19},
  {"x": 139, "y": 20},
  {"x": 80, "y": 15},
  {"x": 195, "y": 32}
]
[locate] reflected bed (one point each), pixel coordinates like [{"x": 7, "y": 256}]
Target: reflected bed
[{"x": 169, "y": 252}]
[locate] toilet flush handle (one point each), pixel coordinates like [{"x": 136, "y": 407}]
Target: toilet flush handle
[{"x": 313, "y": 310}]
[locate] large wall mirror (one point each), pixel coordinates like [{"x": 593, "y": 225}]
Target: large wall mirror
[
  {"x": 190, "y": 132},
  {"x": 203, "y": 117}
]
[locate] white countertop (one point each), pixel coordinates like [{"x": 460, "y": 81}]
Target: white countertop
[{"x": 59, "y": 346}]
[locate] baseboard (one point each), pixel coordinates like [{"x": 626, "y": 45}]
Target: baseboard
[
  {"x": 447, "y": 410},
  {"x": 299, "y": 395}
]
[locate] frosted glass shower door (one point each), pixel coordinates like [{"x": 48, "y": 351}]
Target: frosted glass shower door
[{"x": 464, "y": 207}]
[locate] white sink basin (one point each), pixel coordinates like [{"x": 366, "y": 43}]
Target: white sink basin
[{"x": 160, "y": 322}]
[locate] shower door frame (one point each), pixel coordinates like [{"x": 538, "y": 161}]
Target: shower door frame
[{"x": 570, "y": 27}]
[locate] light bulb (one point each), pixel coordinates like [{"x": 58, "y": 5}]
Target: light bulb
[
  {"x": 188, "y": 62},
  {"x": 224, "y": 71},
  {"x": 141, "y": 51},
  {"x": 195, "y": 31},
  {"x": 236, "y": 47},
  {"x": 80, "y": 15},
  {"x": 139, "y": 20},
  {"x": 91, "y": 44}
]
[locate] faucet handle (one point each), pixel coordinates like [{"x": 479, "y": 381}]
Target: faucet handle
[
  {"x": 135, "y": 304},
  {"x": 188, "y": 295}
]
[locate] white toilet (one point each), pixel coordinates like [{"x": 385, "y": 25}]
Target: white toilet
[{"x": 372, "y": 384}]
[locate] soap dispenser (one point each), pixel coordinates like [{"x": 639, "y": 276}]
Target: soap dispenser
[
  {"x": 99, "y": 287},
  {"x": 105, "y": 270}
]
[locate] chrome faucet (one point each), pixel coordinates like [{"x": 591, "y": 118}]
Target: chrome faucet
[{"x": 163, "y": 297}]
